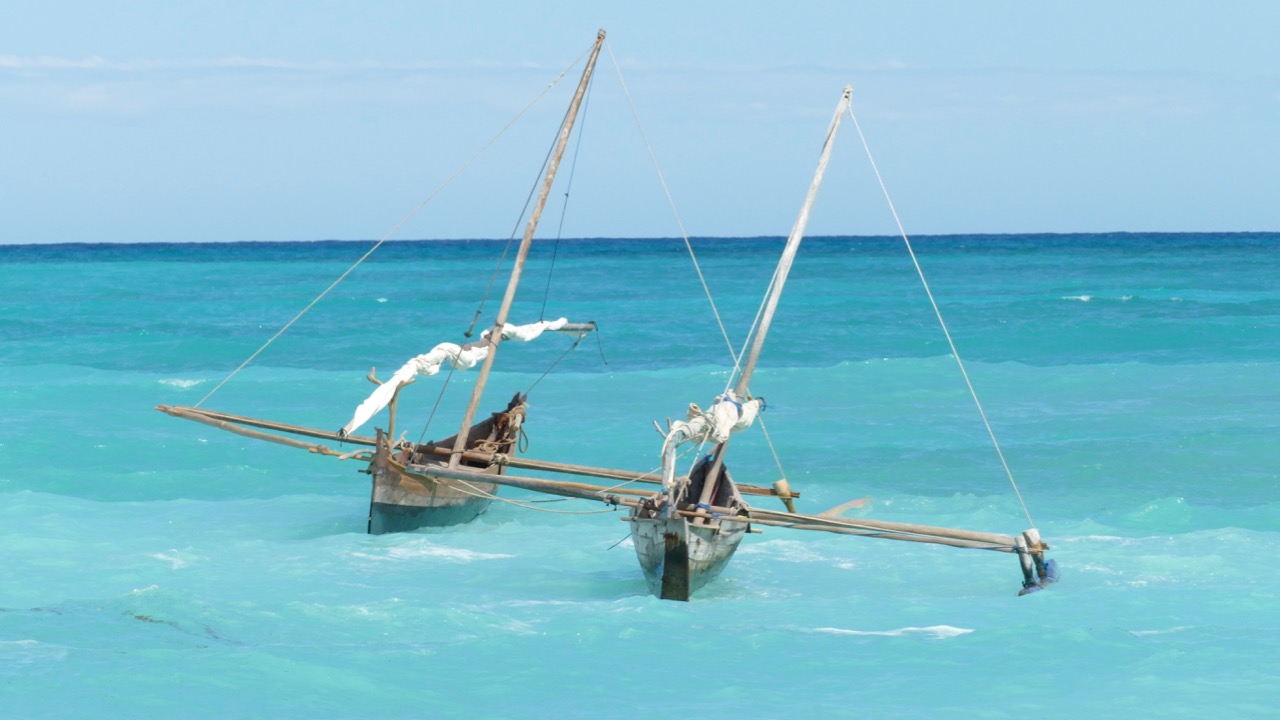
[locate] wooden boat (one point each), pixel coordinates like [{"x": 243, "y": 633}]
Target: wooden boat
[
  {"x": 678, "y": 554},
  {"x": 407, "y": 499}
]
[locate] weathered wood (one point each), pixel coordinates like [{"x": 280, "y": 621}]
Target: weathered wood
[
  {"x": 403, "y": 501},
  {"x": 933, "y": 540},
  {"x": 591, "y": 471},
  {"x": 217, "y": 420},
  {"x": 224, "y": 421},
  {"x": 614, "y": 496},
  {"x": 202, "y": 415},
  {"x": 564, "y": 488},
  {"x": 818, "y": 521},
  {"x": 577, "y": 328}
]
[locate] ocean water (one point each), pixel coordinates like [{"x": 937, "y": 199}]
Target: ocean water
[{"x": 151, "y": 567}]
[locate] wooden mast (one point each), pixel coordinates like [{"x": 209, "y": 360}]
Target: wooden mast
[
  {"x": 779, "y": 280},
  {"x": 495, "y": 336}
]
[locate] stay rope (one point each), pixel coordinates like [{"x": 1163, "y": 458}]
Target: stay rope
[
  {"x": 412, "y": 213},
  {"x": 553, "y": 365},
  {"x": 493, "y": 279},
  {"x": 564, "y": 208},
  {"x": 666, "y": 191},
  {"x": 938, "y": 313},
  {"x": 684, "y": 235},
  {"x": 506, "y": 250}
]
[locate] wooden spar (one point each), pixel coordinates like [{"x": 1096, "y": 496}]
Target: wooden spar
[
  {"x": 859, "y": 527},
  {"x": 880, "y": 525},
  {"x": 208, "y": 416},
  {"x": 623, "y": 496},
  {"x": 779, "y": 280},
  {"x": 585, "y": 491},
  {"x": 495, "y": 338},
  {"x": 631, "y": 498},
  {"x": 930, "y": 539},
  {"x": 793, "y": 244},
  {"x": 391, "y": 406},
  {"x": 222, "y": 422},
  {"x": 577, "y": 328},
  {"x": 229, "y": 422},
  {"x": 586, "y": 470}
]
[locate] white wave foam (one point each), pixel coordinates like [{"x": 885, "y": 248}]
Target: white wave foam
[
  {"x": 25, "y": 652},
  {"x": 177, "y": 563},
  {"x": 541, "y": 603},
  {"x": 788, "y": 550},
  {"x": 415, "y": 552},
  {"x": 1090, "y": 298},
  {"x": 180, "y": 383},
  {"x": 1169, "y": 631},
  {"x": 934, "y": 632}
]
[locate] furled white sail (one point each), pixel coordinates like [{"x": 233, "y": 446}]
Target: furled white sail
[
  {"x": 462, "y": 357},
  {"x": 727, "y": 415}
]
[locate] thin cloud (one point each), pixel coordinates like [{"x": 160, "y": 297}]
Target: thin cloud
[
  {"x": 95, "y": 63},
  {"x": 46, "y": 62}
]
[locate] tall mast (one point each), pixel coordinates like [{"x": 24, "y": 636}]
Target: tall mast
[
  {"x": 779, "y": 280},
  {"x": 793, "y": 244},
  {"x": 495, "y": 337}
]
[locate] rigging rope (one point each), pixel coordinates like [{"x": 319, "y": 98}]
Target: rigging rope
[
  {"x": 684, "y": 235},
  {"x": 938, "y": 312},
  {"x": 502, "y": 259},
  {"x": 447, "y": 182},
  {"x": 564, "y": 209},
  {"x": 439, "y": 398},
  {"x": 662, "y": 180},
  {"x": 553, "y": 365},
  {"x": 515, "y": 229}
]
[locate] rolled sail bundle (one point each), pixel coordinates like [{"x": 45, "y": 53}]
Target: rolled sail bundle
[
  {"x": 461, "y": 357},
  {"x": 727, "y": 415}
]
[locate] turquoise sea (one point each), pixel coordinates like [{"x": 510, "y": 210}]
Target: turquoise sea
[{"x": 152, "y": 567}]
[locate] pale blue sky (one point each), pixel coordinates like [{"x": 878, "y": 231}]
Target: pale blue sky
[{"x": 228, "y": 121}]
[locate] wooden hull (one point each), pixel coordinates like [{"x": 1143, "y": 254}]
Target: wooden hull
[
  {"x": 679, "y": 557},
  {"x": 679, "y": 554},
  {"x": 402, "y": 501}
]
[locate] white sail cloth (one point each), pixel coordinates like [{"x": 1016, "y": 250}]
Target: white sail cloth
[
  {"x": 727, "y": 415},
  {"x": 462, "y": 357}
]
